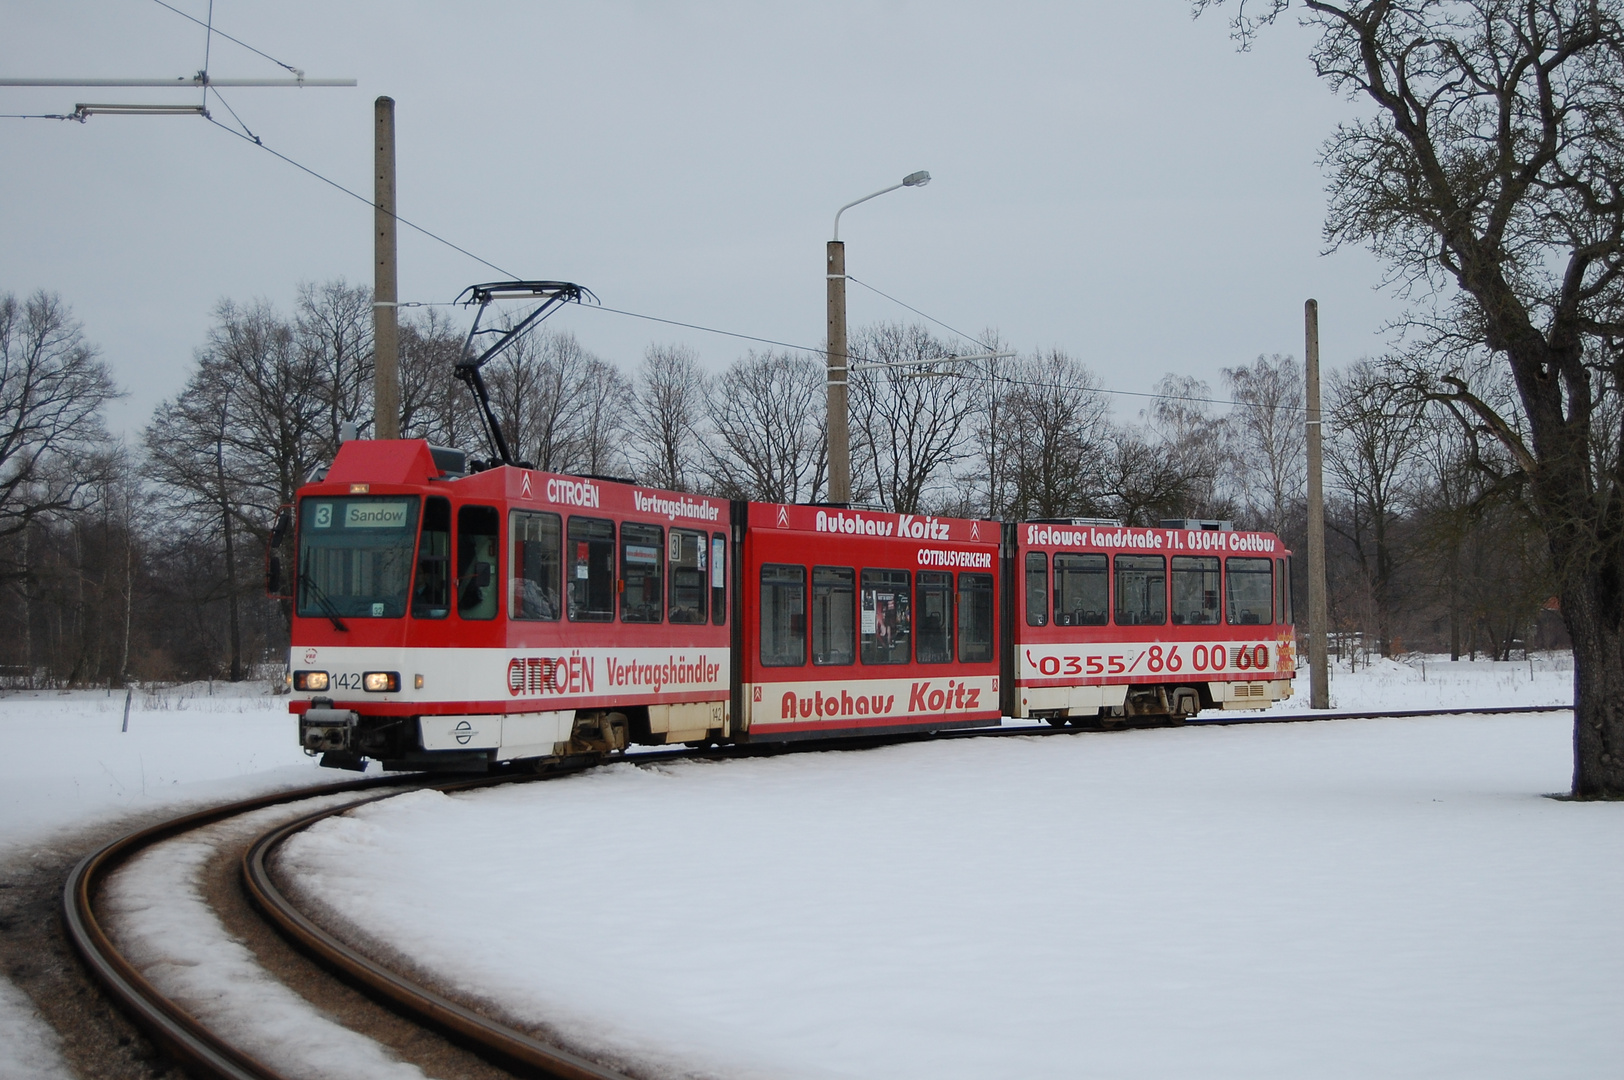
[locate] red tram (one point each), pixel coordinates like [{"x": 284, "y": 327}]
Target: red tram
[
  {"x": 443, "y": 620},
  {"x": 447, "y": 619},
  {"x": 1115, "y": 622}
]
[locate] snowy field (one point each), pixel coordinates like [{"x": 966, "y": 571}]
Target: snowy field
[
  {"x": 66, "y": 763},
  {"x": 1345, "y": 899},
  {"x": 65, "y": 758}
]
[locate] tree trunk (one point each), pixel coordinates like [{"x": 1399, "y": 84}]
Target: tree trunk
[
  {"x": 1598, "y": 691},
  {"x": 232, "y": 600}
]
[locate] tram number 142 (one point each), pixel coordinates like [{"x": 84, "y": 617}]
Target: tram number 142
[{"x": 1155, "y": 659}]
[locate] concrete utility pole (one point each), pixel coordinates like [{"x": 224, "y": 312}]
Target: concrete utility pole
[
  {"x": 839, "y": 436},
  {"x": 1319, "y": 685},
  {"x": 839, "y": 428},
  {"x": 385, "y": 326}
]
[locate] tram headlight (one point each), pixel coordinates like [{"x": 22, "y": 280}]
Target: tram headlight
[
  {"x": 380, "y": 682},
  {"x": 310, "y": 680}
]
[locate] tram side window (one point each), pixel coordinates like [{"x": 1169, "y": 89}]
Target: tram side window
[
  {"x": 642, "y": 561},
  {"x": 783, "y": 615},
  {"x": 687, "y": 558},
  {"x": 1251, "y": 590},
  {"x": 591, "y": 569},
  {"x": 933, "y": 604},
  {"x": 977, "y": 618},
  {"x": 1037, "y": 589},
  {"x": 1141, "y": 590},
  {"x": 834, "y": 618},
  {"x": 477, "y": 528},
  {"x": 884, "y": 617},
  {"x": 1195, "y": 590},
  {"x": 718, "y": 578},
  {"x": 534, "y": 548},
  {"x": 1080, "y": 590},
  {"x": 431, "y": 591}
]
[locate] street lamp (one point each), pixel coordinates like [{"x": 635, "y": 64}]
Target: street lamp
[{"x": 839, "y": 433}]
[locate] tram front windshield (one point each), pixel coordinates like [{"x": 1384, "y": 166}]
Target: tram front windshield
[{"x": 355, "y": 556}]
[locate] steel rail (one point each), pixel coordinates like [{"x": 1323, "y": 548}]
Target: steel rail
[
  {"x": 492, "y": 1038},
  {"x": 1397, "y": 714},
  {"x": 169, "y": 1025}
]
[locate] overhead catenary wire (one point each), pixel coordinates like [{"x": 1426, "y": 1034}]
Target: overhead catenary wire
[
  {"x": 921, "y": 314},
  {"x": 208, "y": 41},
  {"x": 212, "y": 30},
  {"x": 257, "y": 141}
]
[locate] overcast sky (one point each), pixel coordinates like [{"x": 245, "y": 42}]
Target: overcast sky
[{"x": 1110, "y": 178}]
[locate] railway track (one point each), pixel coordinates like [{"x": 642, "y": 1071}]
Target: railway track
[{"x": 207, "y": 1053}]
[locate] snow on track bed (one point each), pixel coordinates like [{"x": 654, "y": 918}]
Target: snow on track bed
[
  {"x": 31, "y": 1049},
  {"x": 165, "y": 927},
  {"x": 1350, "y": 899}
]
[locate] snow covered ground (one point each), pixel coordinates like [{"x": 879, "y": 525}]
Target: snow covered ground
[
  {"x": 65, "y": 758},
  {"x": 1359, "y": 898},
  {"x": 65, "y": 762},
  {"x": 1339, "y": 899},
  {"x": 1426, "y": 682}
]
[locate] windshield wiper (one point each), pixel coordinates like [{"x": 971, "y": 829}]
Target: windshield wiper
[{"x": 328, "y": 608}]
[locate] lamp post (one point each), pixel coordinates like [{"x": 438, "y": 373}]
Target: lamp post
[{"x": 835, "y": 273}]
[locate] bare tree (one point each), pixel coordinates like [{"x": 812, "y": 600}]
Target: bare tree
[
  {"x": 1057, "y": 433},
  {"x": 433, "y": 404},
  {"x": 1371, "y": 454},
  {"x": 768, "y": 437},
  {"x": 1488, "y": 177},
  {"x": 190, "y": 460},
  {"x": 985, "y": 482},
  {"x": 236, "y": 443},
  {"x": 1142, "y": 480},
  {"x": 1268, "y": 441},
  {"x": 52, "y": 392},
  {"x": 908, "y": 419},
  {"x": 668, "y": 407},
  {"x": 333, "y": 327},
  {"x": 1181, "y": 423},
  {"x": 561, "y": 408}
]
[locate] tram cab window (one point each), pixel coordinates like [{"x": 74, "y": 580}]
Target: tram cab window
[
  {"x": 1282, "y": 578},
  {"x": 642, "y": 565},
  {"x": 1141, "y": 590},
  {"x": 477, "y": 528},
  {"x": 355, "y": 557},
  {"x": 718, "y": 578},
  {"x": 1195, "y": 590},
  {"x": 933, "y": 610},
  {"x": 977, "y": 618},
  {"x": 1081, "y": 595},
  {"x": 686, "y": 561},
  {"x": 834, "y": 615},
  {"x": 1250, "y": 594},
  {"x": 783, "y": 615},
  {"x": 1037, "y": 589},
  {"x": 883, "y": 617},
  {"x": 533, "y": 545},
  {"x": 591, "y": 567},
  {"x": 431, "y": 592}
]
